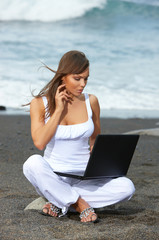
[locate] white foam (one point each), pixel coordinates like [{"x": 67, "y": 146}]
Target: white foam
[
  {"x": 125, "y": 99},
  {"x": 15, "y": 93},
  {"x": 46, "y": 10}
]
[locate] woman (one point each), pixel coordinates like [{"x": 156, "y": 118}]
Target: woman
[{"x": 64, "y": 120}]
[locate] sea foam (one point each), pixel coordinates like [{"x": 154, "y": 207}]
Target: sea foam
[{"x": 46, "y": 10}]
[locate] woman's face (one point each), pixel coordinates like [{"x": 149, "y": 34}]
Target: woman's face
[{"x": 75, "y": 83}]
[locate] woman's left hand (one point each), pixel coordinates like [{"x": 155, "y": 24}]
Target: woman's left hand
[{"x": 91, "y": 148}]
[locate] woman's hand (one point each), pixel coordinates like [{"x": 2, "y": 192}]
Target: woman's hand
[
  {"x": 61, "y": 97},
  {"x": 91, "y": 148}
]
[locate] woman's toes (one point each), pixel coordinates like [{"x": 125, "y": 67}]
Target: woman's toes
[
  {"x": 90, "y": 218},
  {"x": 93, "y": 217},
  {"x": 50, "y": 209}
]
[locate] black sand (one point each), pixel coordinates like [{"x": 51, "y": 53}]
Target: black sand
[{"x": 136, "y": 219}]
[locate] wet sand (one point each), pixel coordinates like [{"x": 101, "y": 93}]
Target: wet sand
[{"x": 136, "y": 219}]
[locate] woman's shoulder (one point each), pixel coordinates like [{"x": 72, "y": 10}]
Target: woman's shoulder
[
  {"x": 93, "y": 99},
  {"x": 37, "y": 101},
  {"x": 37, "y": 104},
  {"x": 94, "y": 102}
]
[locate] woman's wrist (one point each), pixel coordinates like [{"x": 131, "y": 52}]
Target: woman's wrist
[
  {"x": 58, "y": 112},
  {"x": 56, "y": 116}
]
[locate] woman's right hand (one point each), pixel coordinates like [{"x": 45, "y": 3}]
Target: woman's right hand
[{"x": 61, "y": 97}]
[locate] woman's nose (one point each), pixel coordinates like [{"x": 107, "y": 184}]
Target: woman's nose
[{"x": 82, "y": 82}]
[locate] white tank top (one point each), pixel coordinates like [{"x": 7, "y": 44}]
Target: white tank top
[{"x": 68, "y": 150}]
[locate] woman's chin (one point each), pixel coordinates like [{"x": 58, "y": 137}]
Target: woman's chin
[
  {"x": 76, "y": 94},
  {"x": 79, "y": 93}
]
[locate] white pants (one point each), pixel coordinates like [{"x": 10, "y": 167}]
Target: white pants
[{"x": 64, "y": 191}]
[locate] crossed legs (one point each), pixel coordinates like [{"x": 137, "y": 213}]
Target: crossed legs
[{"x": 64, "y": 192}]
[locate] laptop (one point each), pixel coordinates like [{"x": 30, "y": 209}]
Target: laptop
[{"x": 110, "y": 157}]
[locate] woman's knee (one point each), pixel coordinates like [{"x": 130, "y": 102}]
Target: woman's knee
[
  {"x": 128, "y": 187},
  {"x": 32, "y": 164}
]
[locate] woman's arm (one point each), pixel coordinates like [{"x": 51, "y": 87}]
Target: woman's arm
[
  {"x": 41, "y": 132},
  {"x": 96, "y": 119}
]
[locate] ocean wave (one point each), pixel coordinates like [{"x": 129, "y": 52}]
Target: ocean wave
[
  {"x": 46, "y": 10},
  {"x": 53, "y": 10}
]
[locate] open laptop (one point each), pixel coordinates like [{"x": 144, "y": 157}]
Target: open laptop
[{"x": 110, "y": 157}]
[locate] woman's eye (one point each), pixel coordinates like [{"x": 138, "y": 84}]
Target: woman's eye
[{"x": 77, "y": 79}]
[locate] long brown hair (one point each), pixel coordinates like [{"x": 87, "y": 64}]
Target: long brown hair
[{"x": 72, "y": 62}]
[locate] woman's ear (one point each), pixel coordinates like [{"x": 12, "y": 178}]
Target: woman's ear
[{"x": 63, "y": 79}]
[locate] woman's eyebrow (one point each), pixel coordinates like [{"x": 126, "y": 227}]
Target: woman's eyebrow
[{"x": 80, "y": 75}]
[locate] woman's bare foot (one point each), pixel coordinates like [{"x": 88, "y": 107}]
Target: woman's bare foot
[
  {"x": 87, "y": 213},
  {"x": 50, "y": 210}
]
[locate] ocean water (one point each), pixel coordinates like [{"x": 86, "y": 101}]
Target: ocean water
[{"x": 120, "y": 38}]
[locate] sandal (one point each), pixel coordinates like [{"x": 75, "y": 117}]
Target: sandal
[
  {"x": 55, "y": 210},
  {"x": 85, "y": 213}
]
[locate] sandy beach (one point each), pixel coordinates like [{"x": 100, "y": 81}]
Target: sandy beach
[{"x": 133, "y": 220}]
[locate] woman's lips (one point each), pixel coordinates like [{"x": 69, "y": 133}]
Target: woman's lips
[{"x": 80, "y": 91}]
